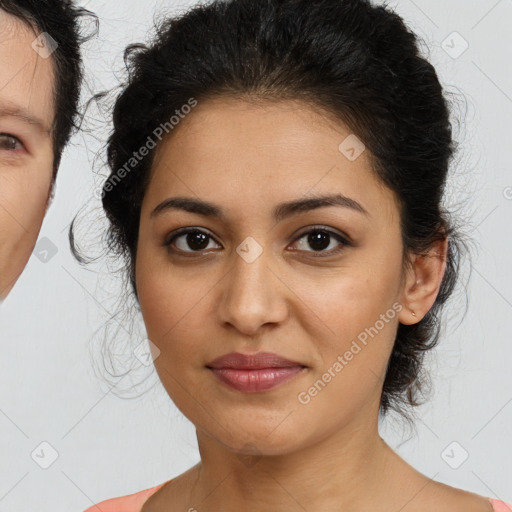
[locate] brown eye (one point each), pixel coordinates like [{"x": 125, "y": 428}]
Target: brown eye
[
  {"x": 10, "y": 142},
  {"x": 193, "y": 239},
  {"x": 319, "y": 239}
]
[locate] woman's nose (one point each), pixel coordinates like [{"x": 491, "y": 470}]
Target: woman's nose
[{"x": 252, "y": 293}]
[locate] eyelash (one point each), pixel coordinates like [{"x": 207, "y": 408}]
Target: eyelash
[
  {"x": 9, "y": 136},
  {"x": 315, "y": 229}
]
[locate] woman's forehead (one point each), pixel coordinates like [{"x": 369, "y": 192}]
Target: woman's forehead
[{"x": 237, "y": 148}]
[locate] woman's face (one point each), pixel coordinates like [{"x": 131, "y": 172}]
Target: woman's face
[
  {"x": 254, "y": 282},
  {"x": 26, "y": 153}
]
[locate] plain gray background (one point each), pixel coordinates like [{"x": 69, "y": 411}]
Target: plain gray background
[{"x": 107, "y": 446}]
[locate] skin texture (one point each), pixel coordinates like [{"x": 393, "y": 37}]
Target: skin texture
[
  {"x": 268, "y": 451},
  {"x": 26, "y": 83}
]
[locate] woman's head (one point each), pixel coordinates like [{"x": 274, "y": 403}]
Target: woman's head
[
  {"x": 40, "y": 75},
  {"x": 248, "y": 106}
]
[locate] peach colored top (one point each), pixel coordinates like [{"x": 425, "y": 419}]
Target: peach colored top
[
  {"x": 130, "y": 503},
  {"x": 134, "y": 503}
]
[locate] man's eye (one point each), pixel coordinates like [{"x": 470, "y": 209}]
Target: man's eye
[{"x": 10, "y": 142}]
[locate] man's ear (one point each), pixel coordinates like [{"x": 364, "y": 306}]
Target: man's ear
[{"x": 422, "y": 283}]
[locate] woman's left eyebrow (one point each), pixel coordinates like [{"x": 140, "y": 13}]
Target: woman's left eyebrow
[{"x": 281, "y": 211}]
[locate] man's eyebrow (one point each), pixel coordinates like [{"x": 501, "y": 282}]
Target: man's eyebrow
[
  {"x": 280, "y": 212},
  {"x": 11, "y": 110}
]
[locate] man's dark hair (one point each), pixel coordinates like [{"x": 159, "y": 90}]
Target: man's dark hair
[{"x": 60, "y": 19}]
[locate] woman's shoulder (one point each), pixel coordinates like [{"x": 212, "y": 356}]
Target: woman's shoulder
[
  {"x": 129, "y": 503},
  {"x": 456, "y": 499},
  {"x": 501, "y": 506},
  {"x": 134, "y": 502}
]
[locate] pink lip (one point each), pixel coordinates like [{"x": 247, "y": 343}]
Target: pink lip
[{"x": 254, "y": 372}]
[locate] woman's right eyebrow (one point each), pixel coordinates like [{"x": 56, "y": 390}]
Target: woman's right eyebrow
[{"x": 281, "y": 211}]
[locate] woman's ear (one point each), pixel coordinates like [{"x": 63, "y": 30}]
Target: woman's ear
[{"x": 422, "y": 283}]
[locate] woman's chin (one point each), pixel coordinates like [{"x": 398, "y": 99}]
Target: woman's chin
[{"x": 255, "y": 440}]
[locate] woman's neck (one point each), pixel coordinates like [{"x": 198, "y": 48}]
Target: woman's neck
[{"x": 347, "y": 471}]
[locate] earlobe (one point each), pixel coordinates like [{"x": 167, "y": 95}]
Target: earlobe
[{"x": 423, "y": 283}]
